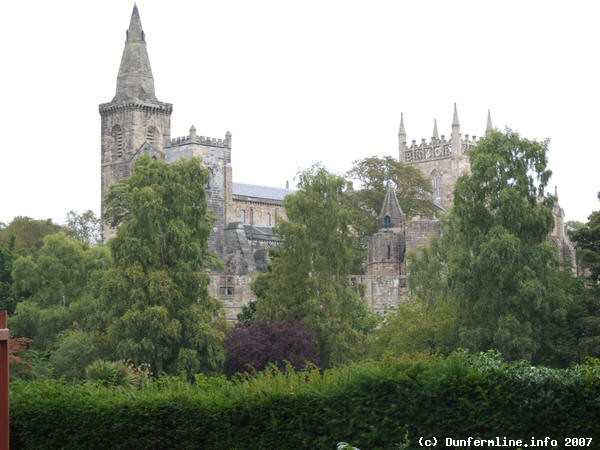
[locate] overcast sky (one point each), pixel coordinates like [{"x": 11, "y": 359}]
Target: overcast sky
[{"x": 296, "y": 82}]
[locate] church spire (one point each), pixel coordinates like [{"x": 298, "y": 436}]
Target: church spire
[
  {"x": 402, "y": 138},
  {"x": 435, "y": 136},
  {"x": 135, "y": 81},
  {"x": 391, "y": 215},
  {"x": 455, "y": 122},
  {"x": 489, "y": 128}
]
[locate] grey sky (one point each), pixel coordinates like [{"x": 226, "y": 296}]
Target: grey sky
[{"x": 296, "y": 82}]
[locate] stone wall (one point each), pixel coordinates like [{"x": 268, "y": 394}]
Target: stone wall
[
  {"x": 261, "y": 213},
  {"x": 216, "y": 156},
  {"x": 418, "y": 232}
]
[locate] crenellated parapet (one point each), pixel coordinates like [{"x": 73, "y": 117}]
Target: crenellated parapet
[
  {"x": 436, "y": 148},
  {"x": 193, "y": 138}
]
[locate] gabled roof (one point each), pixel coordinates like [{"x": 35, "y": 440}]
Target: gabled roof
[{"x": 391, "y": 215}]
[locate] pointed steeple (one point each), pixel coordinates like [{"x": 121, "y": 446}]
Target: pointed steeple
[
  {"x": 455, "y": 122},
  {"x": 489, "y": 128},
  {"x": 402, "y": 131},
  {"x": 435, "y": 136},
  {"x": 135, "y": 81},
  {"x": 402, "y": 139},
  {"x": 391, "y": 215}
]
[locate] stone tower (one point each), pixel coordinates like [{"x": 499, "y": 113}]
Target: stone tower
[
  {"x": 385, "y": 280},
  {"x": 441, "y": 160},
  {"x": 134, "y": 121}
]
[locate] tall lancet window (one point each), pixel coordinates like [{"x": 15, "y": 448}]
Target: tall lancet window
[
  {"x": 436, "y": 183},
  {"x": 387, "y": 222},
  {"x": 117, "y": 135},
  {"x": 153, "y": 136}
]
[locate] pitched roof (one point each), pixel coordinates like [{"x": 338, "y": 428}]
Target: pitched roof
[{"x": 264, "y": 192}]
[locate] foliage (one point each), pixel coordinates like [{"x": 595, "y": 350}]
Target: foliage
[
  {"x": 309, "y": 274},
  {"x": 380, "y": 404},
  {"x": 156, "y": 292},
  {"x": 7, "y": 300},
  {"x": 374, "y": 174},
  {"x": 25, "y": 236},
  {"x": 51, "y": 287},
  {"x": 257, "y": 345},
  {"x": 75, "y": 350},
  {"x": 587, "y": 239},
  {"x": 502, "y": 266},
  {"x": 246, "y": 316},
  {"x": 84, "y": 226},
  {"x": 117, "y": 373},
  {"x": 19, "y": 366}
]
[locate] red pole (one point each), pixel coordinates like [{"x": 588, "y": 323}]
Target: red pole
[{"x": 4, "y": 379}]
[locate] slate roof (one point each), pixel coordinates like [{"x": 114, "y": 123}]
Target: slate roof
[{"x": 255, "y": 191}]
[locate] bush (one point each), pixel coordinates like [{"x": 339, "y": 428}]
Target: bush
[
  {"x": 254, "y": 346},
  {"x": 386, "y": 404},
  {"x": 116, "y": 373}
]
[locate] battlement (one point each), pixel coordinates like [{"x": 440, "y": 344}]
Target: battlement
[
  {"x": 437, "y": 148},
  {"x": 193, "y": 138}
]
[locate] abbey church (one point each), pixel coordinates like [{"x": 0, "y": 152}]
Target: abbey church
[{"x": 135, "y": 122}]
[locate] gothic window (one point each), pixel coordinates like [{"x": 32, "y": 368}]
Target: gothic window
[
  {"x": 268, "y": 219},
  {"x": 389, "y": 252},
  {"x": 117, "y": 135},
  {"x": 153, "y": 136},
  {"x": 243, "y": 216},
  {"x": 387, "y": 222},
  {"x": 436, "y": 183},
  {"x": 251, "y": 216},
  {"x": 226, "y": 286}
]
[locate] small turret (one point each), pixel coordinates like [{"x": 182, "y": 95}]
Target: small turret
[
  {"x": 192, "y": 132},
  {"x": 402, "y": 138},
  {"x": 391, "y": 215},
  {"x": 489, "y": 128}
]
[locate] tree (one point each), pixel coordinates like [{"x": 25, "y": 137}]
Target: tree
[
  {"x": 587, "y": 240},
  {"x": 374, "y": 174},
  {"x": 51, "y": 288},
  {"x": 25, "y": 236},
  {"x": 502, "y": 266},
  {"x": 7, "y": 301},
  {"x": 83, "y": 226},
  {"x": 256, "y": 345},
  {"x": 309, "y": 274},
  {"x": 156, "y": 293}
]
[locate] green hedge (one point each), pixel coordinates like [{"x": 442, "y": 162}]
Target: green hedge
[{"x": 371, "y": 405}]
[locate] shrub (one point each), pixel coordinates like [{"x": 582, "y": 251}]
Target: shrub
[{"x": 254, "y": 346}]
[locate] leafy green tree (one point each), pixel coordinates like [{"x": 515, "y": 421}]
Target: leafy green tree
[
  {"x": 76, "y": 349},
  {"x": 156, "y": 292},
  {"x": 587, "y": 240},
  {"x": 502, "y": 267},
  {"x": 7, "y": 300},
  {"x": 309, "y": 274},
  {"x": 49, "y": 286},
  {"x": 374, "y": 174},
  {"x": 83, "y": 226},
  {"x": 25, "y": 236}
]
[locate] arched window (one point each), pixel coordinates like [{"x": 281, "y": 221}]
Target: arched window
[
  {"x": 389, "y": 252},
  {"x": 436, "y": 184},
  {"x": 251, "y": 216},
  {"x": 268, "y": 219},
  {"x": 387, "y": 222},
  {"x": 243, "y": 216},
  {"x": 153, "y": 136}
]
